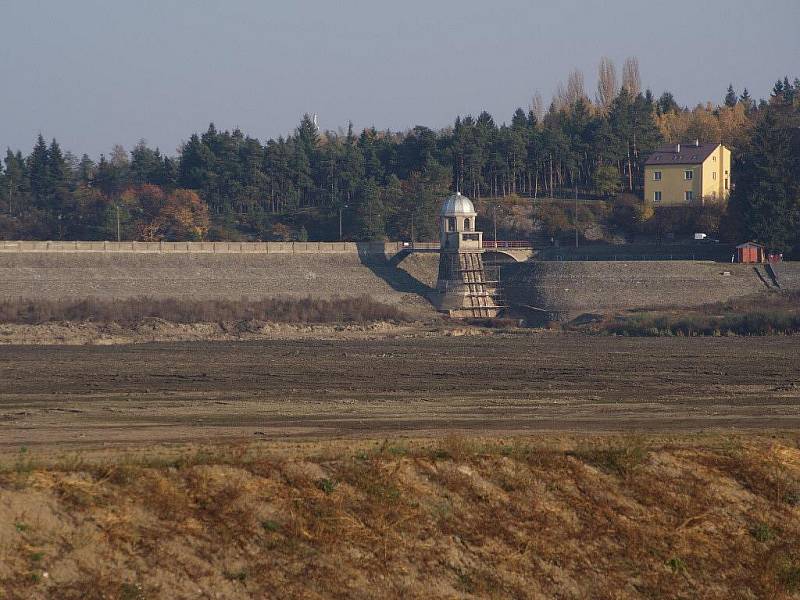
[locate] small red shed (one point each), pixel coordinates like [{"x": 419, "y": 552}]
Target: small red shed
[{"x": 750, "y": 252}]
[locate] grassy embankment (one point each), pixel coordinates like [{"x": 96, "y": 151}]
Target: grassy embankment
[
  {"x": 761, "y": 315},
  {"x": 710, "y": 517}
]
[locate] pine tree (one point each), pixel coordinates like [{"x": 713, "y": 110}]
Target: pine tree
[
  {"x": 730, "y": 97},
  {"x": 746, "y": 101},
  {"x": 86, "y": 170},
  {"x": 59, "y": 171},
  {"x": 666, "y": 104},
  {"x": 370, "y": 212},
  {"x": 39, "y": 172},
  {"x": 17, "y": 182},
  {"x": 765, "y": 203}
]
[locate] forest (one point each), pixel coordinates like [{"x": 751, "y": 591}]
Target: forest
[{"x": 379, "y": 184}]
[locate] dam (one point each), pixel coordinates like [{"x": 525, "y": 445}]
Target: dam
[{"x": 387, "y": 272}]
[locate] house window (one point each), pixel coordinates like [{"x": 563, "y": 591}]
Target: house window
[
  {"x": 656, "y": 196},
  {"x": 656, "y": 175},
  {"x": 688, "y": 175},
  {"x": 714, "y": 175},
  {"x": 726, "y": 183},
  {"x": 714, "y": 159},
  {"x": 689, "y": 196}
]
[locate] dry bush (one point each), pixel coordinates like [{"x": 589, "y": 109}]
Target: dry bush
[
  {"x": 619, "y": 458},
  {"x": 131, "y": 311}
]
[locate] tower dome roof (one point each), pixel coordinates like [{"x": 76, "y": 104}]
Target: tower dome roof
[{"x": 457, "y": 205}]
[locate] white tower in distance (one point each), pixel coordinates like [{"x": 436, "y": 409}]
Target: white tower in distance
[{"x": 462, "y": 286}]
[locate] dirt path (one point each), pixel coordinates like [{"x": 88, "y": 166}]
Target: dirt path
[{"x": 279, "y": 389}]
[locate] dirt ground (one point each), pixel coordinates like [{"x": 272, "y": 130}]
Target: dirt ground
[{"x": 415, "y": 385}]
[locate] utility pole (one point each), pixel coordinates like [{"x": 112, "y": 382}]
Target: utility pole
[
  {"x": 576, "y": 214},
  {"x": 341, "y": 210}
]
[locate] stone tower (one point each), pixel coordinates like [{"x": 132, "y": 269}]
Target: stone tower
[{"x": 462, "y": 287}]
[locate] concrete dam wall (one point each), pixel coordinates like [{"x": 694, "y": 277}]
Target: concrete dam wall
[
  {"x": 205, "y": 276},
  {"x": 385, "y": 272},
  {"x": 575, "y": 287}
]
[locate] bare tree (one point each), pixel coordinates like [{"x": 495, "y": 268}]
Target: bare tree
[
  {"x": 575, "y": 87},
  {"x": 567, "y": 95},
  {"x": 606, "y": 83},
  {"x": 119, "y": 156},
  {"x": 560, "y": 97},
  {"x": 537, "y": 106},
  {"x": 631, "y": 80}
]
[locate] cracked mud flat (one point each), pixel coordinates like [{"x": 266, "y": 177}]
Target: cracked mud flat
[{"x": 93, "y": 396}]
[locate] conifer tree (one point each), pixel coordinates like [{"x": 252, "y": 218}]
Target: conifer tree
[
  {"x": 746, "y": 101},
  {"x": 38, "y": 171},
  {"x": 730, "y": 97},
  {"x": 370, "y": 212}
]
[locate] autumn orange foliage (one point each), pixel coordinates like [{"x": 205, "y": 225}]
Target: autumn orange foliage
[{"x": 180, "y": 215}]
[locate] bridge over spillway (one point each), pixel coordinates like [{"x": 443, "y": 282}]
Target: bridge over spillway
[{"x": 494, "y": 251}]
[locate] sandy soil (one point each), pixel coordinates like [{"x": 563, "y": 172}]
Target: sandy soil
[{"x": 91, "y": 396}]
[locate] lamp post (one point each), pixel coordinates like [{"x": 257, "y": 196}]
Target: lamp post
[
  {"x": 494, "y": 219},
  {"x": 576, "y": 214}
]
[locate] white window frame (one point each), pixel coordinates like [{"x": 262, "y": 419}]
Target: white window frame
[
  {"x": 656, "y": 175},
  {"x": 688, "y": 195},
  {"x": 657, "y": 196},
  {"x": 688, "y": 175}
]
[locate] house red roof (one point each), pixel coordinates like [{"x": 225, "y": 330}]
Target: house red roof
[{"x": 681, "y": 154}]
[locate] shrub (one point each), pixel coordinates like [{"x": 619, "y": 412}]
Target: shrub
[
  {"x": 762, "y": 532},
  {"x": 134, "y": 310},
  {"x": 696, "y": 324}
]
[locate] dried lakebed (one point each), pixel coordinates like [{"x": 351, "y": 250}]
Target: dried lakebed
[{"x": 306, "y": 389}]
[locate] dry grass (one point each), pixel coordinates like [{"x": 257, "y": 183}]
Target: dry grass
[
  {"x": 616, "y": 517},
  {"x": 131, "y": 311},
  {"x": 758, "y": 315}
]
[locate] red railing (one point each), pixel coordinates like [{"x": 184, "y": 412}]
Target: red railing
[{"x": 506, "y": 244}]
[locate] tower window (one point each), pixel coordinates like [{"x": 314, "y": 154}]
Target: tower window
[
  {"x": 451, "y": 223},
  {"x": 466, "y": 224}
]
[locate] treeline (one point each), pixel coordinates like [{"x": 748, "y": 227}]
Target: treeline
[{"x": 373, "y": 184}]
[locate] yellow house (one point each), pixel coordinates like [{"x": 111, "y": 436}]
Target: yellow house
[{"x": 685, "y": 174}]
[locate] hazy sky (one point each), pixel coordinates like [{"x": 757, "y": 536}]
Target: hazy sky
[{"x": 94, "y": 73}]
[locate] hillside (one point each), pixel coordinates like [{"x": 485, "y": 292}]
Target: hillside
[{"x": 548, "y": 517}]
